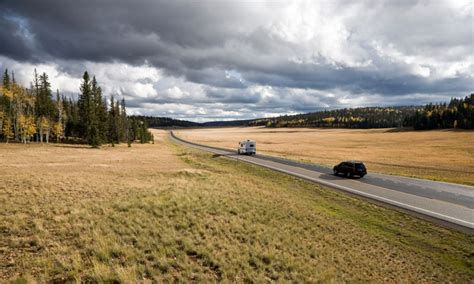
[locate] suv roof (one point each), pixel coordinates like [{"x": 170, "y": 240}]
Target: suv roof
[{"x": 354, "y": 162}]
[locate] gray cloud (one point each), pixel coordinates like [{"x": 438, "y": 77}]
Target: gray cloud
[{"x": 219, "y": 59}]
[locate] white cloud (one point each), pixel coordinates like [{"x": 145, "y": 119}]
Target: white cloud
[{"x": 24, "y": 74}]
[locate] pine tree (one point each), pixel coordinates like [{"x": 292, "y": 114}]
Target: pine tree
[
  {"x": 72, "y": 119},
  {"x": 134, "y": 129},
  {"x": 118, "y": 123},
  {"x": 44, "y": 102},
  {"x": 145, "y": 135},
  {"x": 6, "y": 80},
  {"x": 94, "y": 136},
  {"x": 103, "y": 119},
  {"x": 112, "y": 123},
  {"x": 44, "y": 107},
  {"x": 89, "y": 129},
  {"x": 5, "y": 101},
  {"x": 100, "y": 111},
  {"x": 84, "y": 103},
  {"x": 125, "y": 122}
]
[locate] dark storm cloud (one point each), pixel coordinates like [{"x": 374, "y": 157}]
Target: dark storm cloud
[
  {"x": 366, "y": 49},
  {"x": 15, "y": 41},
  {"x": 125, "y": 30},
  {"x": 225, "y": 96}
]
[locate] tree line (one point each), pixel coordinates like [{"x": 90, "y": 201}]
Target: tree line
[
  {"x": 154, "y": 121},
  {"x": 366, "y": 117},
  {"x": 458, "y": 113},
  {"x": 33, "y": 114}
]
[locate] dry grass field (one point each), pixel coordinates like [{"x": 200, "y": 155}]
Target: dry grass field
[
  {"x": 164, "y": 213},
  {"x": 443, "y": 155}
]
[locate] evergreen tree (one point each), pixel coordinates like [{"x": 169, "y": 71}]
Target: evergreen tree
[
  {"x": 44, "y": 107},
  {"x": 125, "y": 123},
  {"x": 89, "y": 129},
  {"x": 72, "y": 115},
  {"x": 44, "y": 102},
  {"x": 459, "y": 113},
  {"x": 6, "y": 80},
  {"x": 84, "y": 105},
  {"x": 96, "y": 136},
  {"x": 5, "y": 103},
  {"x": 112, "y": 123},
  {"x": 118, "y": 122}
]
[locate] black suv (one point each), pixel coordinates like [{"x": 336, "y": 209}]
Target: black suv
[{"x": 350, "y": 168}]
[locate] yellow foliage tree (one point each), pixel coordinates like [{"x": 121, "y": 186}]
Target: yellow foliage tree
[
  {"x": 7, "y": 129},
  {"x": 27, "y": 127},
  {"x": 31, "y": 127},
  {"x": 58, "y": 131},
  {"x": 44, "y": 129},
  {"x": 2, "y": 117},
  {"x": 329, "y": 119},
  {"x": 6, "y": 92}
]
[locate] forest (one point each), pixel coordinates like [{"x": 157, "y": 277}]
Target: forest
[
  {"x": 367, "y": 117},
  {"x": 458, "y": 113},
  {"x": 164, "y": 122},
  {"x": 154, "y": 121},
  {"x": 34, "y": 114}
]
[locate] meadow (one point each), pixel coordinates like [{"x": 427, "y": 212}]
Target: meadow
[
  {"x": 164, "y": 213},
  {"x": 443, "y": 155}
]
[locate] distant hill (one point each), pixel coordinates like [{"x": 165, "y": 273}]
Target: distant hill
[
  {"x": 366, "y": 117},
  {"x": 246, "y": 122},
  {"x": 458, "y": 113},
  {"x": 154, "y": 122}
]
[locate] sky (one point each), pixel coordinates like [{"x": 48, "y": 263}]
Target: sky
[{"x": 223, "y": 60}]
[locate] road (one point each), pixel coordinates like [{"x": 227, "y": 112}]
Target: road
[{"x": 446, "y": 203}]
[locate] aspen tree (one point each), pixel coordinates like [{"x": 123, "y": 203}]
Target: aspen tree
[{"x": 7, "y": 129}]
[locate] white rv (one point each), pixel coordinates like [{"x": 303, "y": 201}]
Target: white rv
[{"x": 247, "y": 147}]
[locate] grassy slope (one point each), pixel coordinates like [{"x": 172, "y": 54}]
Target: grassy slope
[
  {"x": 212, "y": 219},
  {"x": 443, "y": 155}
]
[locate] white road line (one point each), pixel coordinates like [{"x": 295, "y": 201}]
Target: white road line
[{"x": 371, "y": 196}]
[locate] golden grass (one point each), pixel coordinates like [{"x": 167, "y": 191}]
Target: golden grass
[
  {"x": 443, "y": 155},
  {"x": 164, "y": 213}
]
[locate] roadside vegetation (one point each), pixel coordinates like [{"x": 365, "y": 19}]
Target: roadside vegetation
[
  {"x": 443, "y": 155},
  {"x": 166, "y": 213}
]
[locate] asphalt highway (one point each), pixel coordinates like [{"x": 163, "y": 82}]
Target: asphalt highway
[{"x": 446, "y": 203}]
